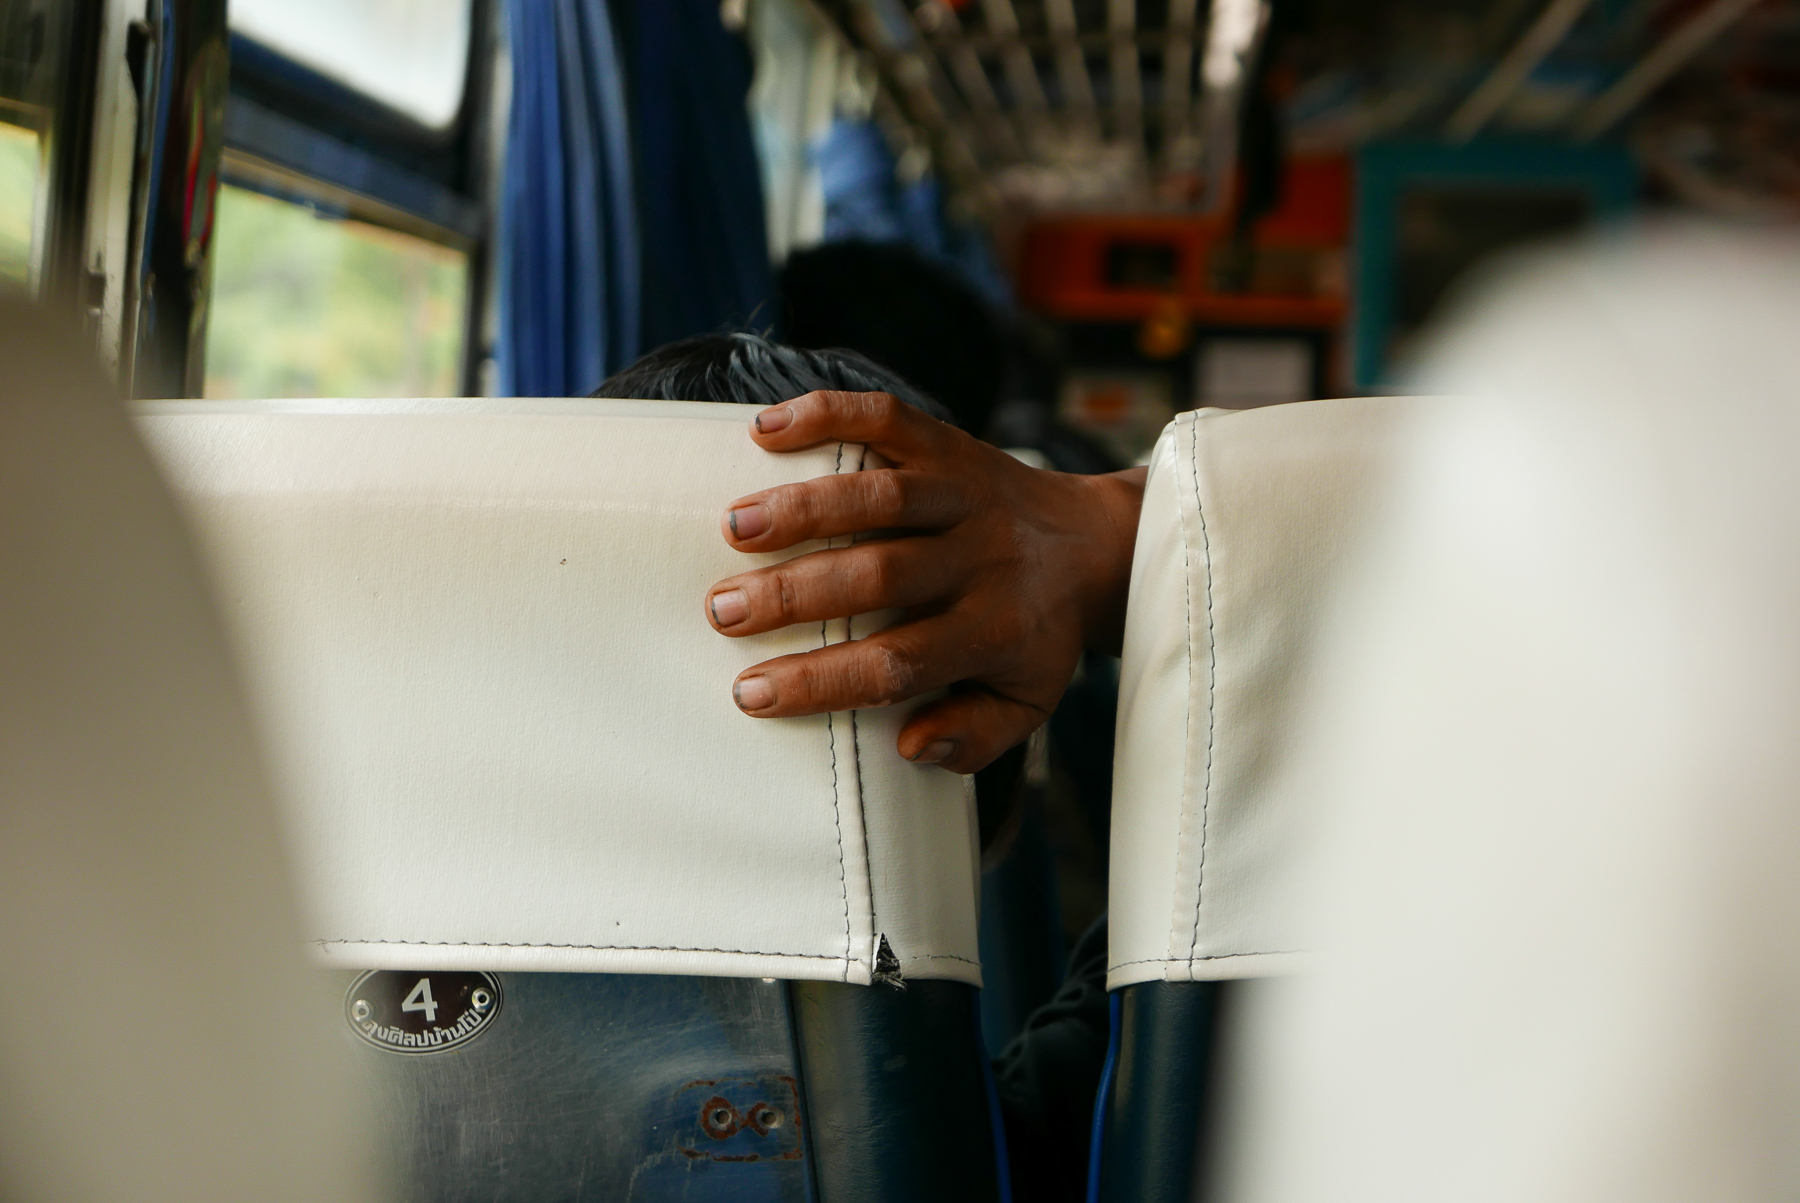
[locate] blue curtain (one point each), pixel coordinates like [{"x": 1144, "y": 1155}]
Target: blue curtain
[
  {"x": 705, "y": 239},
  {"x": 864, "y": 200},
  {"x": 570, "y": 270},
  {"x": 856, "y": 173}
]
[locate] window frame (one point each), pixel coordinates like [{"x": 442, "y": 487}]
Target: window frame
[
  {"x": 297, "y": 135},
  {"x": 68, "y": 43}
]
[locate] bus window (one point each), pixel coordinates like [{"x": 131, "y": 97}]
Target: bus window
[
  {"x": 411, "y": 55},
  {"x": 19, "y": 177},
  {"x": 306, "y": 304},
  {"x": 40, "y": 83},
  {"x": 351, "y": 244}
]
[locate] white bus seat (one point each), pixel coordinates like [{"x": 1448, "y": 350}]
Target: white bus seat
[
  {"x": 1247, "y": 514},
  {"x": 163, "y": 1039},
  {"x": 1246, "y": 522},
  {"x": 1556, "y": 902},
  {"x": 474, "y": 633}
]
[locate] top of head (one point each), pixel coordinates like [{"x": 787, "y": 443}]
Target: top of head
[{"x": 475, "y": 634}]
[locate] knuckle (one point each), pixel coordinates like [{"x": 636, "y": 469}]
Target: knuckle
[
  {"x": 888, "y": 493},
  {"x": 875, "y": 577},
  {"x": 800, "y": 684},
  {"x": 833, "y": 405},
  {"x": 891, "y": 674},
  {"x": 786, "y": 598},
  {"x": 951, "y": 499},
  {"x": 804, "y": 507},
  {"x": 880, "y": 410}
]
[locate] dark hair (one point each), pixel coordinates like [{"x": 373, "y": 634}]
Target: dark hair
[
  {"x": 903, "y": 311},
  {"x": 748, "y": 369}
]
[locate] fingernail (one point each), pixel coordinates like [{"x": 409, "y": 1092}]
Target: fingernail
[
  {"x": 730, "y": 607},
  {"x": 771, "y": 420},
  {"x": 936, "y": 752},
  {"x": 753, "y": 693},
  {"x": 748, "y": 521}
]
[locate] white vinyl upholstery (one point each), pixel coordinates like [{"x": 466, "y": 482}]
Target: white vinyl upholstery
[
  {"x": 474, "y": 634},
  {"x": 1553, "y": 916},
  {"x": 1246, "y": 517},
  {"x": 163, "y": 1040}
]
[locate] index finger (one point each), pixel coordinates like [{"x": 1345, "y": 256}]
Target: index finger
[
  {"x": 885, "y": 499},
  {"x": 896, "y": 431}
]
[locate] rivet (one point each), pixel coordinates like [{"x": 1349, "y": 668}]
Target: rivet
[
  {"x": 718, "y": 1118},
  {"x": 360, "y": 1010},
  {"x": 481, "y": 1000}
]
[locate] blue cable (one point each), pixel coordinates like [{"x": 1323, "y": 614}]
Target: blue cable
[
  {"x": 995, "y": 1120},
  {"x": 1103, "y": 1095}
]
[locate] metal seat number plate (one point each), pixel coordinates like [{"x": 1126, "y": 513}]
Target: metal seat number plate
[{"x": 408, "y": 1011}]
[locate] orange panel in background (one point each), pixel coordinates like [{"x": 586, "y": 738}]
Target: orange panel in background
[
  {"x": 1315, "y": 203},
  {"x": 1125, "y": 268}
]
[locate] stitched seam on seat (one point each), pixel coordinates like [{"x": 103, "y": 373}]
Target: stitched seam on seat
[
  {"x": 1212, "y": 680},
  {"x": 753, "y": 952},
  {"x": 945, "y": 956},
  {"x": 862, "y": 796},
  {"x": 1220, "y": 956},
  {"x": 837, "y": 816},
  {"x": 837, "y": 810},
  {"x": 868, "y": 869},
  {"x": 1187, "y": 721}
]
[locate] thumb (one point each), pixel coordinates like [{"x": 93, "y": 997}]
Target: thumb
[{"x": 968, "y": 730}]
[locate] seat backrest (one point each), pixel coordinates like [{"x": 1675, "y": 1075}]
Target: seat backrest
[
  {"x": 523, "y": 801},
  {"x": 1247, "y": 516},
  {"x": 1247, "y": 521},
  {"x": 474, "y": 633},
  {"x": 164, "y": 1039},
  {"x": 1556, "y": 896}
]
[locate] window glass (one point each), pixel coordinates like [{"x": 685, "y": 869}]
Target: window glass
[
  {"x": 411, "y": 55},
  {"x": 306, "y": 305},
  {"x": 35, "y": 41},
  {"x": 19, "y": 173}
]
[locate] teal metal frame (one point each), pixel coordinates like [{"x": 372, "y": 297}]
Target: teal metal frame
[{"x": 1606, "y": 174}]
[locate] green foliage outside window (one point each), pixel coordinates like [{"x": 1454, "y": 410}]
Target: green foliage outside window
[
  {"x": 18, "y": 195},
  {"x": 305, "y": 305}
]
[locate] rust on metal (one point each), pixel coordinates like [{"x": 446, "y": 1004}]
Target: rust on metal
[{"x": 757, "y": 1120}]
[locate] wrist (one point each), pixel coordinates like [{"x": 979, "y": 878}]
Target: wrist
[{"x": 1107, "y": 538}]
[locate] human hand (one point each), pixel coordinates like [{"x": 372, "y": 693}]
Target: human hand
[{"x": 1004, "y": 573}]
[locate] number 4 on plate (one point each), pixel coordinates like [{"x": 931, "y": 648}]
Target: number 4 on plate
[{"x": 420, "y": 1000}]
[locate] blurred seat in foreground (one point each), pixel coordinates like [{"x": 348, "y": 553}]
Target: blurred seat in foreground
[{"x": 163, "y": 1040}]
